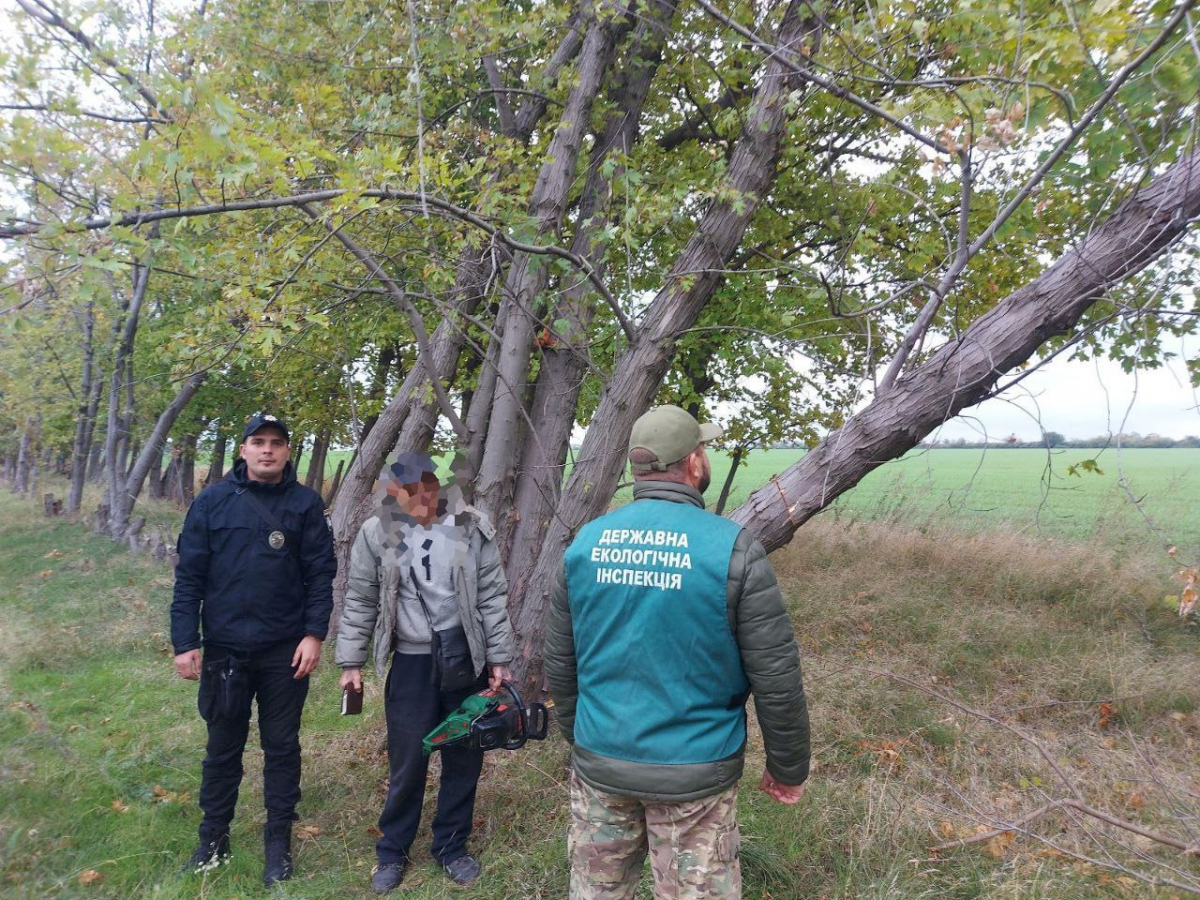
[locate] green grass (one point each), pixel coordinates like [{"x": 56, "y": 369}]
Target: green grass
[{"x": 100, "y": 744}]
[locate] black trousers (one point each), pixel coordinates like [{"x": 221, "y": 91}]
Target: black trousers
[
  {"x": 413, "y": 709},
  {"x": 224, "y": 701}
]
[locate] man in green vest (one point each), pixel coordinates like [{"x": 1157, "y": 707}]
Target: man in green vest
[{"x": 664, "y": 619}]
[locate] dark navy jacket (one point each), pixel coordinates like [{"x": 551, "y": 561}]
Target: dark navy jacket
[{"x": 233, "y": 586}]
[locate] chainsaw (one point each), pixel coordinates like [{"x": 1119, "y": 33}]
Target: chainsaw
[{"x": 490, "y": 720}]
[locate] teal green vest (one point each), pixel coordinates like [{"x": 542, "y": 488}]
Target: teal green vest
[{"x": 660, "y": 675}]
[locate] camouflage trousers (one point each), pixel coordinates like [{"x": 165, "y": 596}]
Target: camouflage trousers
[{"x": 693, "y": 846}]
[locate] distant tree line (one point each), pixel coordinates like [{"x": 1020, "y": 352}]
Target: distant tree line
[
  {"x": 1052, "y": 439},
  {"x": 1055, "y": 440}
]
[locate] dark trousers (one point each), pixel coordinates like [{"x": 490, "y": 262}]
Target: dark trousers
[
  {"x": 413, "y": 709},
  {"x": 224, "y": 701}
]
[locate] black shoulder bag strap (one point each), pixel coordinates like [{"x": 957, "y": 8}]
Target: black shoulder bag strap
[{"x": 272, "y": 522}]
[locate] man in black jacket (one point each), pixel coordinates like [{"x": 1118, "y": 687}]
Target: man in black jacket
[{"x": 255, "y": 578}]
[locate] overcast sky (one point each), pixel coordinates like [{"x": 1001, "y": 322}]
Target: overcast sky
[{"x": 1084, "y": 399}]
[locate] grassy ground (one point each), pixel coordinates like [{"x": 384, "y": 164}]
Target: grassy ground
[{"x": 1071, "y": 643}]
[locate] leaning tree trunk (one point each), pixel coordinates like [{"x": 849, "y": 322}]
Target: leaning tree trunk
[
  {"x": 527, "y": 277},
  {"x": 125, "y": 498},
  {"x": 639, "y": 372},
  {"x": 563, "y": 366},
  {"x": 964, "y": 371}
]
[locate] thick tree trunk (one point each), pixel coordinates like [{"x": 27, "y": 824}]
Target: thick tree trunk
[
  {"x": 187, "y": 470},
  {"x": 964, "y": 371},
  {"x": 528, "y": 275},
  {"x": 563, "y": 368}
]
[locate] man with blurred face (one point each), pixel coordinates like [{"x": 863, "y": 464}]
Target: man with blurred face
[
  {"x": 426, "y": 563},
  {"x": 664, "y": 619},
  {"x": 254, "y": 588}
]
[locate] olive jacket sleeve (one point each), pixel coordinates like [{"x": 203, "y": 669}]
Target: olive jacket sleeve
[
  {"x": 771, "y": 659},
  {"x": 559, "y": 657}
]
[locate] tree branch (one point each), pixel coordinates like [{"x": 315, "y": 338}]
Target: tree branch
[
  {"x": 15, "y": 230},
  {"x": 44, "y": 13},
  {"x": 414, "y": 317}
]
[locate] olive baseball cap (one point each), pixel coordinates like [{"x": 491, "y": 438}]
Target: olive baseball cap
[{"x": 670, "y": 433}]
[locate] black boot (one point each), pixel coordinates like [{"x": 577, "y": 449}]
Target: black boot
[
  {"x": 211, "y": 853},
  {"x": 277, "y": 845}
]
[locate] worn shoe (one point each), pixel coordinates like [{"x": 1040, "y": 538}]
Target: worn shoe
[
  {"x": 277, "y": 850},
  {"x": 463, "y": 870},
  {"x": 387, "y": 877},
  {"x": 211, "y": 854}
]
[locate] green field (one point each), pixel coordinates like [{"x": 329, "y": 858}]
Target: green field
[
  {"x": 1002, "y": 489},
  {"x": 1022, "y": 490}
]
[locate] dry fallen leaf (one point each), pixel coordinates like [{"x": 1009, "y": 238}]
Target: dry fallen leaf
[
  {"x": 947, "y": 829},
  {"x": 307, "y": 832},
  {"x": 120, "y": 807},
  {"x": 374, "y": 832},
  {"x": 91, "y": 876},
  {"x": 996, "y": 846}
]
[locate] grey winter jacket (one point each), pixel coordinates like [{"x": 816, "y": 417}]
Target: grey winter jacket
[
  {"x": 767, "y": 643},
  {"x": 369, "y": 614}
]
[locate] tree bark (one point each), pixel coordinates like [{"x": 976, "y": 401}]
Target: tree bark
[
  {"x": 216, "y": 465},
  {"x": 126, "y": 497},
  {"x": 117, "y": 434},
  {"x": 92, "y": 384},
  {"x": 158, "y": 480},
  {"x": 187, "y": 470},
  {"x": 965, "y": 371},
  {"x": 528, "y": 275},
  {"x": 639, "y": 372},
  {"x": 563, "y": 366},
  {"x": 21, "y": 479},
  {"x": 735, "y": 460},
  {"x": 315, "y": 478}
]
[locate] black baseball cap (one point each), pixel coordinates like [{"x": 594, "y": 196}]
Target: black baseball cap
[{"x": 265, "y": 420}]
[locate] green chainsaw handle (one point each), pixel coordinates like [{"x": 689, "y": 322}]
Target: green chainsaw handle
[{"x": 534, "y": 720}]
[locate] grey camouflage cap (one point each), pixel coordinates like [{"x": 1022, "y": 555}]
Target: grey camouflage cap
[{"x": 670, "y": 433}]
